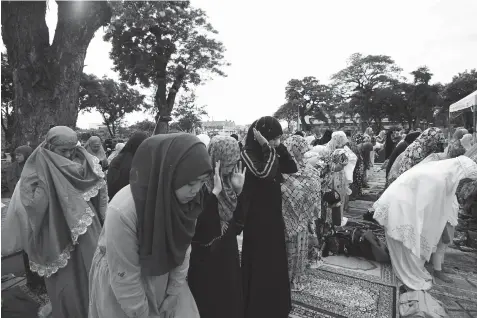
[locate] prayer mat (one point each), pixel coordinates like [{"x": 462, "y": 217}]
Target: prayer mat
[{"x": 327, "y": 293}]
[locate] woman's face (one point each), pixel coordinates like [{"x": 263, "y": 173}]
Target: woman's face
[
  {"x": 275, "y": 142},
  {"x": 226, "y": 170},
  {"x": 187, "y": 192},
  {"x": 19, "y": 157},
  {"x": 338, "y": 167},
  {"x": 64, "y": 151},
  {"x": 95, "y": 146}
]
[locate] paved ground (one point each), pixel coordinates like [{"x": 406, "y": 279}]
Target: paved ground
[{"x": 460, "y": 297}]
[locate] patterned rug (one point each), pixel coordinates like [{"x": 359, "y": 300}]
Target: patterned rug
[{"x": 332, "y": 293}]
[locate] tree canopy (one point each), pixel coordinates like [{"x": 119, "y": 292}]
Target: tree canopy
[
  {"x": 167, "y": 44},
  {"x": 188, "y": 114},
  {"x": 111, "y": 99}
]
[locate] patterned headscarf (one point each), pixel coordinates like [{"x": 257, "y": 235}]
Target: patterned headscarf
[
  {"x": 455, "y": 149},
  {"x": 338, "y": 140},
  {"x": 227, "y": 150},
  {"x": 358, "y": 138},
  {"x": 297, "y": 146},
  {"x": 428, "y": 142}
]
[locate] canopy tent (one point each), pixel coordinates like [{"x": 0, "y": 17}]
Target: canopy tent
[{"x": 466, "y": 102}]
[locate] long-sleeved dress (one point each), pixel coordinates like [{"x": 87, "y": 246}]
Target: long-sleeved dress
[
  {"x": 117, "y": 287},
  {"x": 214, "y": 274},
  {"x": 266, "y": 284}
]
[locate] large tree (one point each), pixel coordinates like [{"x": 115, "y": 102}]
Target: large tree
[
  {"x": 309, "y": 97},
  {"x": 8, "y": 116},
  {"x": 166, "y": 44},
  {"x": 287, "y": 112},
  {"x": 111, "y": 99},
  {"x": 46, "y": 77},
  {"x": 188, "y": 113},
  {"x": 361, "y": 79}
]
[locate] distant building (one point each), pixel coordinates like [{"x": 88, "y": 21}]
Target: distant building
[
  {"x": 226, "y": 127},
  {"x": 96, "y": 125}
]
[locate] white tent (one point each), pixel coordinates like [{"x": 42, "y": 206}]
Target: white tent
[{"x": 466, "y": 102}]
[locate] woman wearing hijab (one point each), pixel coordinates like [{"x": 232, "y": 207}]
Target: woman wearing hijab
[
  {"x": 15, "y": 169},
  {"x": 214, "y": 274},
  {"x": 360, "y": 150},
  {"x": 117, "y": 150},
  {"x": 95, "y": 148},
  {"x": 467, "y": 141},
  {"x": 266, "y": 288},
  {"x": 431, "y": 140},
  {"x": 389, "y": 144},
  {"x": 400, "y": 148},
  {"x": 118, "y": 172},
  {"x": 324, "y": 139},
  {"x": 140, "y": 266},
  {"x": 57, "y": 208},
  {"x": 415, "y": 218},
  {"x": 301, "y": 204}
]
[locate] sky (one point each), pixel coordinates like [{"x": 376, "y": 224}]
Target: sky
[{"x": 270, "y": 42}]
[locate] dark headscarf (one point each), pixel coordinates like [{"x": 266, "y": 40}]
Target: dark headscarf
[
  {"x": 325, "y": 138},
  {"x": 234, "y": 136},
  {"x": 409, "y": 139},
  {"x": 15, "y": 169},
  {"x": 118, "y": 172},
  {"x": 163, "y": 164},
  {"x": 389, "y": 145},
  {"x": 268, "y": 126}
]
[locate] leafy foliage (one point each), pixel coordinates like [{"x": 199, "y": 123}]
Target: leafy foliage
[
  {"x": 8, "y": 113},
  {"x": 188, "y": 114},
  {"x": 111, "y": 99},
  {"x": 168, "y": 44},
  {"x": 145, "y": 125}
]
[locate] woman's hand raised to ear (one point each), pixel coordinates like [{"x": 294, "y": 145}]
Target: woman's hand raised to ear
[
  {"x": 259, "y": 137},
  {"x": 238, "y": 178},
  {"x": 217, "y": 180}
]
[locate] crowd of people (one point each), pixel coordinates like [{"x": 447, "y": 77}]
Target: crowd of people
[{"x": 151, "y": 230}]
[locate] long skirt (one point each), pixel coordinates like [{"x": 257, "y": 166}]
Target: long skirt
[
  {"x": 408, "y": 267},
  {"x": 215, "y": 278},
  {"x": 297, "y": 251},
  {"x": 68, "y": 288},
  {"x": 264, "y": 263}
]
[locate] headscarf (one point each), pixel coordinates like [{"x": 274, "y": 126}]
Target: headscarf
[
  {"x": 15, "y": 169},
  {"x": 69, "y": 185},
  {"x": 358, "y": 138},
  {"x": 117, "y": 149},
  {"x": 163, "y": 164},
  {"x": 400, "y": 149},
  {"x": 428, "y": 142},
  {"x": 120, "y": 167},
  {"x": 389, "y": 144},
  {"x": 339, "y": 158},
  {"x": 270, "y": 128},
  {"x": 455, "y": 149},
  {"x": 300, "y": 133},
  {"x": 466, "y": 141},
  {"x": 410, "y": 210},
  {"x": 100, "y": 154},
  {"x": 225, "y": 149},
  {"x": 338, "y": 140},
  {"x": 459, "y": 133},
  {"x": 204, "y": 138},
  {"x": 234, "y": 136},
  {"x": 297, "y": 146},
  {"x": 301, "y": 196},
  {"x": 325, "y": 138}
]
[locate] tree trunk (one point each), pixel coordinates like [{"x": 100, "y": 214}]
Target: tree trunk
[
  {"x": 165, "y": 105},
  {"x": 46, "y": 77}
]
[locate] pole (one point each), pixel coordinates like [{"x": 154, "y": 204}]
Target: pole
[
  {"x": 298, "y": 119},
  {"x": 473, "y": 127}
]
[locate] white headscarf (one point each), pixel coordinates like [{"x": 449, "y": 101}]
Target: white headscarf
[
  {"x": 204, "y": 138},
  {"x": 415, "y": 208},
  {"x": 466, "y": 141},
  {"x": 117, "y": 150}
]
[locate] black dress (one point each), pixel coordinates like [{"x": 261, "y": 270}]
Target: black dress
[
  {"x": 266, "y": 284},
  {"x": 214, "y": 271}
]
